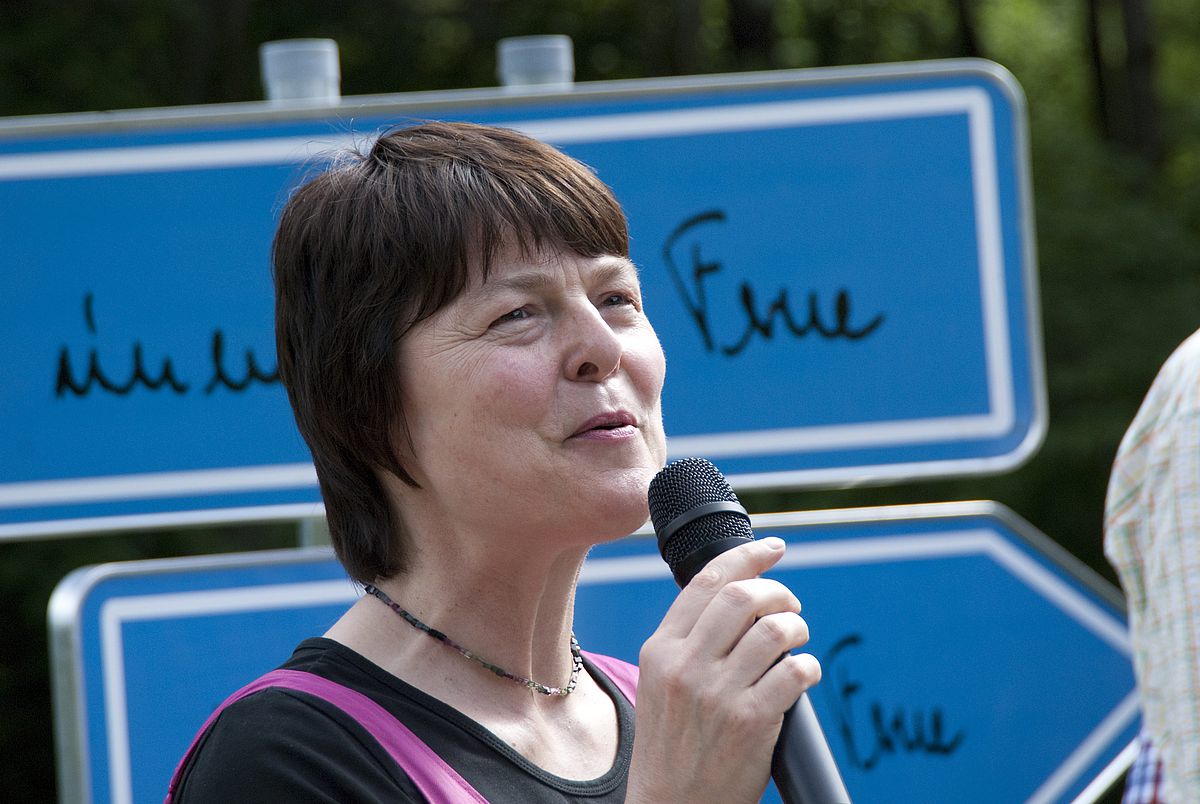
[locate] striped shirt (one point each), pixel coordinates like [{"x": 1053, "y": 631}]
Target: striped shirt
[
  {"x": 1152, "y": 538},
  {"x": 1143, "y": 783}
]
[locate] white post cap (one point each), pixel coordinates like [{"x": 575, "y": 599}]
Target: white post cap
[
  {"x": 301, "y": 70},
  {"x": 544, "y": 62}
]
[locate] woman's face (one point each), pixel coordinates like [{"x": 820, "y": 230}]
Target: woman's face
[{"x": 533, "y": 400}]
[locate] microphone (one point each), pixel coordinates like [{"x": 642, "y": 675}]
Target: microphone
[{"x": 696, "y": 517}]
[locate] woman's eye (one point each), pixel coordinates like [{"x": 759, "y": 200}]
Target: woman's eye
[
  {"x": 512, "y": 315},
  {"x": 617, "y": 299}
]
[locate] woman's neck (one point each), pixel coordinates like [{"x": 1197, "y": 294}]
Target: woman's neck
[
  {"x": 511, "y": 607},
  {"x": 514, "y": 611}
]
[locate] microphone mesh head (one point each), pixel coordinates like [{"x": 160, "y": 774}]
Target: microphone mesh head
[{"x": 682, "y": 486}]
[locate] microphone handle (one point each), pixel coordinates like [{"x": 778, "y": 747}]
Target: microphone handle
[{"x": 802, "y": 766}]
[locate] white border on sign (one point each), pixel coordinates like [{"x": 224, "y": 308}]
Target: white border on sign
[
  {"x": 973, "y": 102},
  {"x": 119, "y": 611}
]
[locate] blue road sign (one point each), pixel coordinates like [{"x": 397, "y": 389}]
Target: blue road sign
[
  {"x": 839, "y": 264},
  {"x": 966, "y": 658}
]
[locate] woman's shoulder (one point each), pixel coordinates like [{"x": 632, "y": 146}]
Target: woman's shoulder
[
  {"x": 284, "y": 744},
  {"x": 289, "y": 744}
]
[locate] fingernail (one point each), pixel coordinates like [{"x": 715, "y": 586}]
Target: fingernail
[{"x": 773, "y": 542}]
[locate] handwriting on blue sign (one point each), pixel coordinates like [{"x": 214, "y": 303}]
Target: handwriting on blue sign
[
  {"x": 777, "y": 317},
  {"x": 887, "y": 731},
  {"x": 691, "y": 290},
  {"x": 95, "y": 377}
]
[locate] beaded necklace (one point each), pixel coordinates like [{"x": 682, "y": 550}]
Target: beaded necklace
[{"x": 536, "y": 686}]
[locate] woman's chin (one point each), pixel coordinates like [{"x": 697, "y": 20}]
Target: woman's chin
[{"x": 622, "y": 507}]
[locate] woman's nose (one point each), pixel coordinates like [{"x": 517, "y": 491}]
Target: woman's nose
[{"x": 594, "y": 353}]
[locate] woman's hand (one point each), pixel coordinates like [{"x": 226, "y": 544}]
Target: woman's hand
[{"x": 713, "y": 691}]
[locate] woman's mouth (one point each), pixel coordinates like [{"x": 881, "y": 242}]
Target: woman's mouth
[{"x": 608, "y": 426}]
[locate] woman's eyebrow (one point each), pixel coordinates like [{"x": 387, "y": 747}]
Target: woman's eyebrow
[
  {"x": 615, "y": 268},
  {"x": 530, "y": 280},
  {"x": 609, "y": 270}
]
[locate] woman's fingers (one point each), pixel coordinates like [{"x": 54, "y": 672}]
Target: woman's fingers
[
  {"x": 741, "y": 563},
  {"x": 741, "y": 609},
  {"x": 716, "y": 680},
  {"x": 780, "y": 686},
  {"x": 769, "y": 639}
]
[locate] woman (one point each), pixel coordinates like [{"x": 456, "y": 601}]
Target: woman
[{"x": 462, "y": 338}]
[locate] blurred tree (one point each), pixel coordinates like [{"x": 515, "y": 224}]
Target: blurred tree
[
  {"x": 968, "y": 36},
  {"x": 1140, "y": 48},
  {"x": 1122, "y": 67},
  {"x": 751, "y": 29}
]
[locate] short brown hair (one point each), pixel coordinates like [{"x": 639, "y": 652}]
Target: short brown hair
[{"x": 381, "y": 241}]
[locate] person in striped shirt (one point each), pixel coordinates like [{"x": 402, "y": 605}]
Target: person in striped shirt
[{"x": 1152, "y": 538}]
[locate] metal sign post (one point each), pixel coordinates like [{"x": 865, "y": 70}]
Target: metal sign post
[
  {"x": 966, "y": 658},
  {"x": 839, "y": 264}
]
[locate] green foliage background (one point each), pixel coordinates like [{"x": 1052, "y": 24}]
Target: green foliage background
[{"x": 1117, "y": 214}]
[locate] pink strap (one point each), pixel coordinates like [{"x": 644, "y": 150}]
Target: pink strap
[
  {"x": 622, "y": 674},
  {"x": 429, "y": 773}
]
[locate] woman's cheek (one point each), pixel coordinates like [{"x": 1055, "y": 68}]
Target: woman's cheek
[{"x": 514, "y": 381}]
